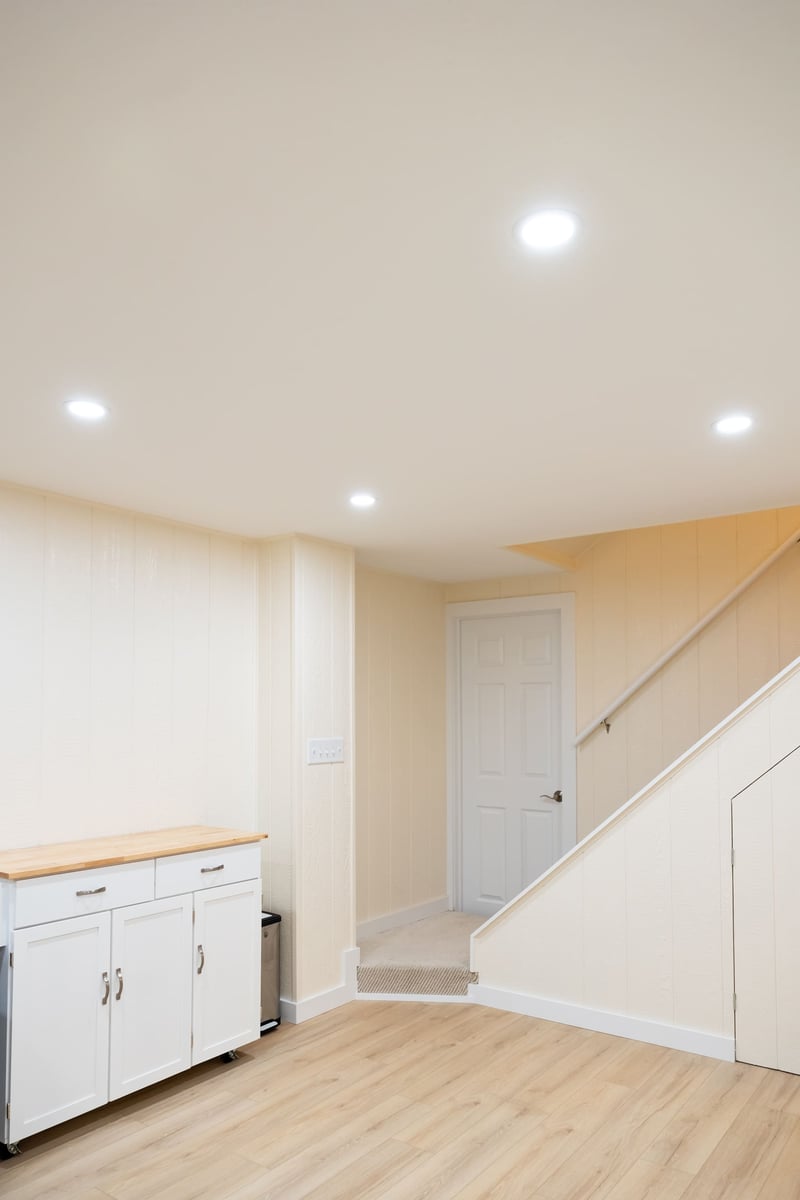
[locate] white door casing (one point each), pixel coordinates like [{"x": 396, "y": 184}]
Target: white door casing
[
  {"x": 60, "y": 1030},
  {"x": 151, "y": 1000},
  {"x": 766, "y": 906},
  {"x": 511, "y": 726}
]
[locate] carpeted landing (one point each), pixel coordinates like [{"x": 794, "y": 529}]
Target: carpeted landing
[{"x": 428, "y": 958}]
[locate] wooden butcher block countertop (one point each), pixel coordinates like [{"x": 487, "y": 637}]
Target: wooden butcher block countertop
[{"x": 54, "y": 859}]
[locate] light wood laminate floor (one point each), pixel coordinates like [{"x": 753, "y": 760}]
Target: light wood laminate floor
[{"x": 452, "y": 1102}]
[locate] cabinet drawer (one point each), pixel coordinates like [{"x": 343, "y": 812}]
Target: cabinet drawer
[
  {"x": 55, "y": 897},
  {"x": 209, "y": 868}
]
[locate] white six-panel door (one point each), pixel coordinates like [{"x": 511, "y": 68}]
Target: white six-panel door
[
  {"x": 151, "y": 1004},
  {"x": 59, "y": 1035},
  {"x": 766, "y": 889},
  {"x": 510, "y": 671}
]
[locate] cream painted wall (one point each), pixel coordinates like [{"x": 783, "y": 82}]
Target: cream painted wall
[
  {"x": 637, "y": 921},
  {"x": 401, "y": 811},
  {"x": 128, "y": 682},
  {"x": 307, "y": 618},
  {"x": 636, "y": 593}
]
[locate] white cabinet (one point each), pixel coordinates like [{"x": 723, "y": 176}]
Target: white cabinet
[
  {"x": 60, "y": 992},
  {"x": 96, "y": 1006},
  {"x": 151, "y": 996},
  {"x": 227, "y": 973}
]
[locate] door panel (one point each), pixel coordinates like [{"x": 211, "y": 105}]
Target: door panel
[
  {"x": 151, "y": 1013},
  {"x": 510, "y": 696},
  {"x": 766, "y": 889},
  {"x": 539, "y": 848},
  {"x": 227, "y": 971},
  {"x": 59, "y": 1034}
]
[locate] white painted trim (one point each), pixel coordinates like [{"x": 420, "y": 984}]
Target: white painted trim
[
  {"x": 426, "y": 998},
  {"x": 564, "y": 603},
  {"x": 403, "y": 916},
  {"x": 294, "y": 1012},
  {"x": 676, "y": 1037}
]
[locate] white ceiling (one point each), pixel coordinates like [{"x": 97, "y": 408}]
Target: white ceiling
[{"x": 275, "y": 236}]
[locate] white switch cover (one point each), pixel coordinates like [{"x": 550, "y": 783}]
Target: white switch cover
[{"x": 325, "y": 750}]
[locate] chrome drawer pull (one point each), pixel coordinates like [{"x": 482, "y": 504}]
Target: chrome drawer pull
[
  {"x": 91, "y": 891},
  {"x": 208, "y": 870},
  {"x": 107, "y": 992}
]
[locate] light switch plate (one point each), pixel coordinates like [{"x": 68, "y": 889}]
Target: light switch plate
[{"x": 325, "y": 750}]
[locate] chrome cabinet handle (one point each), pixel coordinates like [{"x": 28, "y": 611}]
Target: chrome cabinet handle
[
  {"x": 209, "y": 870},
  {"x": 121, "y": 982},
  {"x": 202, "y": 954},
  {"x": 90, "y": 891},
  {"x": 107, "y": 992},
  {"x": 559, "y": 799}
]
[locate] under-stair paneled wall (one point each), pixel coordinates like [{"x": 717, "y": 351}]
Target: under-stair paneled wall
[
  {"x": 128, "y": 676},
  {"x": 637, "y": 592},
  {"x": 401, "y": 815},
  {"x": 632, "y": 932}
]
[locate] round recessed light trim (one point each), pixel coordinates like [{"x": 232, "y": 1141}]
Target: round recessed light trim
[
  {"x": 83, "y": 408},
  {"x": 547, "y": 229},
  {"x": 362, "y": 500},
  {"x": 733, "y": 424}
]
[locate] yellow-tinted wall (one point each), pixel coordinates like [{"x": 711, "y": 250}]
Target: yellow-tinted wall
[
  {"x": 401, "y": 810},
  {"x": 637, "y": 592}
]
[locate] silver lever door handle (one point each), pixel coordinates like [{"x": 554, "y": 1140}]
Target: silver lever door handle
[
  {"x": 121, "y": 983},
  {"x": 559, "y": 799},
  {"x": 202, "y": 954},
  {"x": 107, "y": 992}
]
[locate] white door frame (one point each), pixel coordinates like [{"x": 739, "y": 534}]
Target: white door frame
[{"x": 564, "y": 602}]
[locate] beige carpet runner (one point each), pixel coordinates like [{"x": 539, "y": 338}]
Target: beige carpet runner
[{"x": 428, "y": 958}]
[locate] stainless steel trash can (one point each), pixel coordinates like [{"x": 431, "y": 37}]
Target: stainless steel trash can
[{"x": 270, "y": 971}]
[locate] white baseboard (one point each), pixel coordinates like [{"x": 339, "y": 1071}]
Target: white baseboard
[
  {"x": 414, "y": 999},
  {"x": 403, "y": 916},
  {"x": 294, "y": 1012},
  {"x": 676, "y": 1037}
]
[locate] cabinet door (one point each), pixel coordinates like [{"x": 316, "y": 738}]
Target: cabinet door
[
  {"x": 151, "y": 996},
  {"x": 59, "y": 1027},
  {"x": 227, "y": 974}
]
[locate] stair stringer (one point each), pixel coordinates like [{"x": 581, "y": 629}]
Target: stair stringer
[{"x": 631, "y": 932}]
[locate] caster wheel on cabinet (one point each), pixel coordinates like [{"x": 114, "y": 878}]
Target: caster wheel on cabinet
[
  {"x": 9, "y": 1151},
  {"x": 228, "y": 1056}
]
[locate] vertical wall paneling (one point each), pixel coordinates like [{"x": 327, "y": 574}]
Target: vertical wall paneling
[
  {"x": 656, "y": 941},
  {"x": 112, "y": 740},
  {"x": 636, "y": 593},
  {"x": 401, "y": 804},
  {"x": 22, "y": 559},
  {"x": 754, "y": 929},
  {"x": 128, "y": 688},
  {"x": 153, "y": 669}
]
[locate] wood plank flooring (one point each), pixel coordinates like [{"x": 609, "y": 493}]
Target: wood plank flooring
[{"x": 410, "y": 1101}]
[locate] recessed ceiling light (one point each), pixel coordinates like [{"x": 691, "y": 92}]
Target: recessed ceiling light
[
  {"x": 736, "y": 423},
  {"x": 362, "y": 500},
  {"x": 84, "y": 409},
  {"x": 548, "y": 229}
]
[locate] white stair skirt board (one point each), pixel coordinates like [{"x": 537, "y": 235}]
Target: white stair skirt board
[
  {"x": 403, "y": 916},
  {"x": 675, "y": 1037},
  {"x": 294, "y": 1012}
]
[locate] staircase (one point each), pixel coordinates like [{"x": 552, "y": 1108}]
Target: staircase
[{"x": 631, "y": 933}]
